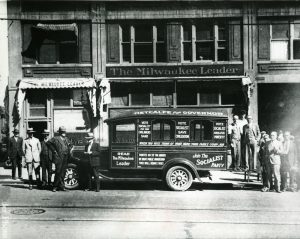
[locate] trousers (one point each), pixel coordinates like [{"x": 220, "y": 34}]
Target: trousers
[
  {"x": 274, "y": 169},
  {"x": 236, "y": 154},
  {"x": 60, "y": 170},
  {"x": 16, "y": 163}
]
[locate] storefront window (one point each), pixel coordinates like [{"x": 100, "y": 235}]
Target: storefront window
[
  {"x": 80, "y": 97},
  {"x": 209, "y": 98},
  {"x": 62, "y": 97},
  {"x": 187, "y": 94},
  {"x": 37, "y": 101},
  {"x": 140, "y": 98}
]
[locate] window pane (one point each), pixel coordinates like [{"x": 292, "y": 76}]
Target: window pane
[
  {"x": 119, "y": 95},
  {"x": 80, "y": 97},
  {"x": 143, "y": 52},
  {"x": 140, "y": 99},
  {"x": 205, "y": 51},
  {"x": 143, "y": 33},
  {"x": 124, "y": 133},
  {"x": 232, "y": 98},
  {"x": 62, "y": 98},
  {"x": 201, "y": 130},
  {"x": 204, "y": 32},
  {"x": 187, "y": 51},
  {"x": 38, "y": 112},
  {"x": 279, "y": 50},
  {"x": 222, "y": 32},
  {"x": 162, "y": 130},
  {"x": 209, "y": 98},
  {"x": 296, "y": 30},
  {"x": 222, "y": 55},
  {"x": 161, "y": 52},
  {"x": 47, "y": 54},
  {"x": 296, "y": 49},
  {"x": 68, "y": 52},
  {"x": 126, "y": 52},
  {"x": 126, "y": 33},
  {"x": 163, "y": 95},
  {"x": 37, "y": 98},
  {"x": 187, "y": 33},
  {"x": 160, "y": 33},
  {"x": 186, "y": 94},
  {"x": 280, "y": 31}
]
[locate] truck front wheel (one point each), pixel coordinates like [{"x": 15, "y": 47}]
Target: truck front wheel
[
  {"x": 71, "y": 178},
  {"x": 179, "y": 178}
]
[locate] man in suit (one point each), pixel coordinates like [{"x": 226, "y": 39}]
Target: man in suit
[
  {"x": 46, "y": 160},
  {"x": 289, "y": 163},
  {"x": 32, "y": 150},
  {"x": 251, "y": 137},
  {"x": 61, "y": 148},
  {"x": 235, "y": 143},
  {"x": 273, "y": 152},
  {"x": 92, "y": 150},
  {"x": 15, "y": 153}
]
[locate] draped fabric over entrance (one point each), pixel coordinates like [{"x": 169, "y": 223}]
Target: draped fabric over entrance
[{"x": 56, "y": 83}]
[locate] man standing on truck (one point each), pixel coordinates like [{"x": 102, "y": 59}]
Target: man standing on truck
[
  {"x": 61, "y": 147},
  {"x": 251, "y": 135},
  {"x": 235, "y": 143}
]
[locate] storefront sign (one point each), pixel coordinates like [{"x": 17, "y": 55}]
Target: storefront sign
[
  {"x": 50, "y": 83},
  {"x": 175, "y": 71}
]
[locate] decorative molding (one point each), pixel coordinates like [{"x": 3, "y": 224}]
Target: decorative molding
[
  {"x": 57, "y": 72},
  {"x": 273, "y": 67}
]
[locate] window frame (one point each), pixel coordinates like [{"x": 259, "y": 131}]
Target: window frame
[
  {"x": 290, "y": 39},
  {"x": 192, "y": 130},
  {"x": 162, "y": 122},
  {"x": 132, "y": 43},
  {"x": 114, "y": 130},
  {"x": 215, "y": 40}
]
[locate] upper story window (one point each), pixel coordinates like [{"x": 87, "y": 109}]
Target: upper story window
[
  {"x": 205, "y": 41},
  {"x": 285, "y": 40},
  {"x": 56, "y": 43},
  {"x": 37, "y": 102},
  {"x": 142, "y": 43}
]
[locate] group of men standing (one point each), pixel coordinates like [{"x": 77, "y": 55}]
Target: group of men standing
[
  {"x": 55, "y": 151},
  {"x": 277, "y": 155},
  {"x": 34, "y": 154},
  {"x": 244, "y": 136}
]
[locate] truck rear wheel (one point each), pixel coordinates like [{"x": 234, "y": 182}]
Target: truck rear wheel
[
  {"x": 71, "y": 178},
  {"x": 179, "y": 178}
]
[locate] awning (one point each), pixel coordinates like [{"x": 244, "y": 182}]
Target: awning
[
  {"x": 56, "y": 83},
  {"x": 58, "y": 27},
  {"x": 53, "y": 83}
]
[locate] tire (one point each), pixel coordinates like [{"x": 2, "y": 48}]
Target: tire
[
  {"x": 179, "y": 178},
  {"x": 7, "y": 164},
  {"x": 71, "y": 179}
]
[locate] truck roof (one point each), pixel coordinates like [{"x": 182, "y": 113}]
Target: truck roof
[{"x": 169, "y": 113}]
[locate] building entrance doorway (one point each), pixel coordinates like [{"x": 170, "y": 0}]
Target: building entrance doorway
[
  {"x": 279, "y": 107},
  {"x": 38, "y": 127}
]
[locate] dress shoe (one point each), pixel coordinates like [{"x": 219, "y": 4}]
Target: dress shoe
[
  {"x": 264, "y": 189},
  {"x": 20, "y": 178},
  {"x": 278, "y": 191},
  {"x": 54, "y": 189},
  {"x": 14, "y": 178},
  {"x": 64, "y": 189},
  {"x": 30, "y": 187}
]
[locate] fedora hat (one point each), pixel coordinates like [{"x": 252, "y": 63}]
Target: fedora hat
[
  {"x": 46, "y": 131},
  {"x": 62, "y": 129},
  {"x": 30, "y": 130},
  {"x": 16, "y": 131},
  {"x": 90, "y": 136}
]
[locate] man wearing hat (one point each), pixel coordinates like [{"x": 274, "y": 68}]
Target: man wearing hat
[
  {"x": 46, "y": 160},
  {"x": 32, "y": 150},
  {"x": 235, "y": 143},
  {"x": 15, "y": 153},
  {"x": 251, "y": 136},
  {"x": 61, "y": 148},
  {"x": 92, "y": 150}
]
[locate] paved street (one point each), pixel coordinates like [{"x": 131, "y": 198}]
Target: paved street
[{"x": 226, "y": 207}]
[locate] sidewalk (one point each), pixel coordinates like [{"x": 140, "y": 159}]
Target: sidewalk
[{"x": 218, "y": 177}]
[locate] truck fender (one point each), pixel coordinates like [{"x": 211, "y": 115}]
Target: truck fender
[{"x": 183, "y": 162}]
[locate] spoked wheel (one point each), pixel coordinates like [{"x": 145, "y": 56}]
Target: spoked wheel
[
  {"x": 71, "y": 179},
  {"x": 179, "y": 178}
]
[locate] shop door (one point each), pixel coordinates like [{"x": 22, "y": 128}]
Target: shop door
[{"x": 38, "y": 127}]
